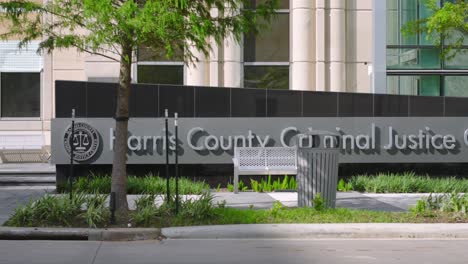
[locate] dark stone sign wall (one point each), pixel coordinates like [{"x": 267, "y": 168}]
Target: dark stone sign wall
[{"x": 98, "y": 100}]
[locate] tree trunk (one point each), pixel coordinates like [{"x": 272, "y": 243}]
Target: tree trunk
[{"x": 119, "y": 165}]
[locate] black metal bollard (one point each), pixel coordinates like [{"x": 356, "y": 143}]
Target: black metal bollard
[
  {"x": 168, "y": 192},
  {"x": 72, "y": 154},
  {"x": 112, "y": 207},
  {"x": 176, "y": 132}
]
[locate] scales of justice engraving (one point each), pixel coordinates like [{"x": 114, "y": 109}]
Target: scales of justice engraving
[
  {"x": 85, "y": 141},
  {"x": 81, "y": 141}
]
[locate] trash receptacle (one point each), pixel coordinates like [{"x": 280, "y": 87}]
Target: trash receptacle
[{"x": 317, "y": 167}]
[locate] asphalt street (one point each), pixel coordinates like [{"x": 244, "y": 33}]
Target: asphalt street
[{"x": 236, "y": 251}]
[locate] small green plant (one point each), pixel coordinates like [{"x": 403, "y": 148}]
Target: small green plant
[
  {"x": 22, "y": 216},
  {"x": 221, "y": 204},
  {"x": 407, "y": 182},
  {"x": 318, "y": 202},
  {"x": 95, "y": 215},
  {"x": 269, "y": 185},
  {"x": 146, "y": 211},
  {"x": 447, "y": 203},
  {"x": 148, "y": 184},
  {"x": 145, "y": 201},
  {"x": 344, "y": 186},
  {"x": 95, "y": 200},
  {"x": 242, "y": 187},
  {"x": 218, "y": 188},
  {"x": 275, "y": 209},
  {"x": 420, "y": 208},
  {"x": 60, "y": 210},
  {"x": 256, "y": 187},
  {"x": 198, "y": 209}
]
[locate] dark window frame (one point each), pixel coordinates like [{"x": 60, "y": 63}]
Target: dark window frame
[{"x": 39, "y": 116}]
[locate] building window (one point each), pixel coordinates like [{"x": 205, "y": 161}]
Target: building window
[
  {"x": 20, "y": 80},
  {"x": 156, "y": 68},
  {"x": 266, "y": 55},
  {"x": 20, "y": 94},
  {"x": 428, "y": 85},
  {"x": 414, "y": 64}
]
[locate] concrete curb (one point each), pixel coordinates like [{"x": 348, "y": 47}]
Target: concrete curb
[
  {"x": 320, "y": 231},
  {"x": 112, "y": 234}
]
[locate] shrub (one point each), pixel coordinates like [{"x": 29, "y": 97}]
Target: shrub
[
  {"x": 277, "y": 185},
  {"x": 146, "y": 211},
  {"x": 275, "y": 209},
  {"x": 149, "y": 184},
  {"x": 242, "y": 187},
  {"x": 318, "y": 202},
  {"x": 59, "y": 210},
  {"x": 95, "y": 215},
  {"x": 199, "y": 209},
  {"x": 407, "y": 182},
  {"x": 447, "y": 203},
  {"x": 48, "y": 211}
]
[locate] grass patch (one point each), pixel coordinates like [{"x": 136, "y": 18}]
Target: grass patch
[
  {"x": 403, "y": 183},
  {"x": 149, "y": 184}
]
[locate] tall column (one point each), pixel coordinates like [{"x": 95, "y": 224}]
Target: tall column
[
  {"x": 197, "y": 71},
  {"x": 233, "y": 70},
  {"x": 214, "y": 57},
  {"x": 302, "y": 40},
  {"x": 379, "y": 71},
  {"x": 337, "y": 45},
  {"x": 233, "y": 56},
  {"x": 320, "y": 40}
]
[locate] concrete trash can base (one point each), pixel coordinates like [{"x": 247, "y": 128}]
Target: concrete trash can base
[{"x": 317, "y": 172}]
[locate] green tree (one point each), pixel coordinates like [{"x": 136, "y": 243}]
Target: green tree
[
  {"x": 116, "y": 28},
  {"x": 446, "y": 26}
]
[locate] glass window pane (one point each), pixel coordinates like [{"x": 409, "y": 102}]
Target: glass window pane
[
  {"x": 161, "y": 74},
  {"x": 271, "y": 77},
  {"x": 403, "y": 85},
  {"x": 456, "y": 86},
  {"x": 271, "y": 45},
  {"x": 401, "y": 12},
  {"x": 408, "y": 13},
  {"x": 393, "y": 25},
  {"x": 409, "y": 58},
  {"x": 21, "y": 94},
  {"x": 283, "y": 4},
  {"x": 414, "y": 85},
  {"x": 429, "y": 85},
  {"x": 460, "y": 61},
  {"x": 147, "y": 54}
]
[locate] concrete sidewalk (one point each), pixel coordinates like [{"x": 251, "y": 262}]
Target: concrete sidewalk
[{"x": 352, "y": 200}]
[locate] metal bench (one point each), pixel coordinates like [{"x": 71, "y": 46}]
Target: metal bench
[
  {"x": 263, "y": 161},
  {"x": 23, "y": 148}
]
